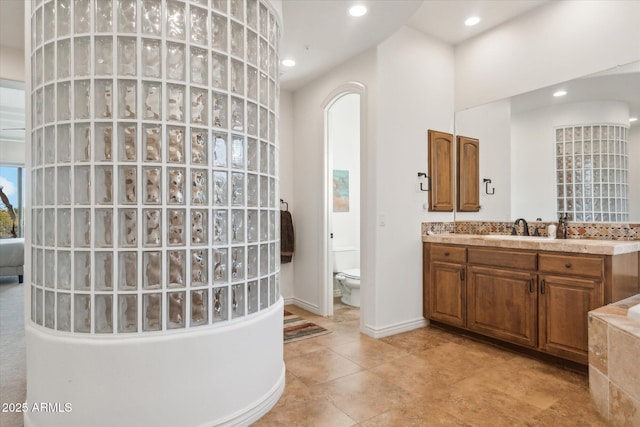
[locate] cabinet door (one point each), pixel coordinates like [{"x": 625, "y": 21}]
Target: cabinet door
[
  {"x": 564, "y": 304},
  {"x": 468, "y": 174},
  {"x": 441, "y": 171},
  {"x": 447, "y": 293},
  {"x": 503, "y": 304}
]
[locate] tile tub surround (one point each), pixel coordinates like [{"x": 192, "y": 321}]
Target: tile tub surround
[
  {"x": 614, "y": 371},
  {"x": 576, "y": 230}
]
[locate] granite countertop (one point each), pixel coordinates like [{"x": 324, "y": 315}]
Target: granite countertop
[{"x": 583, "y": 246}]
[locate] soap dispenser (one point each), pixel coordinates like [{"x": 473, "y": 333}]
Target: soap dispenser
[{"x": 561, "y": 231}]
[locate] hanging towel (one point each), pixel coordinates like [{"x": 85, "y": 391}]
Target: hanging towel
[{"x": 286, "y": 237}]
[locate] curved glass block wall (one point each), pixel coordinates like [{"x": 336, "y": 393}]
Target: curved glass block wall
[
  {"x": 154, "y": 163},
  {"x": 592, "y": 167}
]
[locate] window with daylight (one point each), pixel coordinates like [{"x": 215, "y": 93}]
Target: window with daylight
[{"x": 11, "y": 203}]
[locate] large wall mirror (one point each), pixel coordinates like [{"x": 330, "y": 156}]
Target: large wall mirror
[{"x": 578, "y": 152}]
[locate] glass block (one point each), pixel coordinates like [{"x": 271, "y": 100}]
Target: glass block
[
  {"x": 237, "y": 301},
  {"x": 219, "y": 71},
  {"x": 152, "y": 144},
  {"x": 175, "y": 20},
  {"x": 219, "y": 32},
  {"x": 151, "y": 58},
  {"x": 199, "y": 147},
  {"x": 237, "y": 114},
  {"x": 49, "y": 62},
  {"x": 237, "y": 39},
  {"x": 103, "y": 228},
  {"x": 272, "y": 257},
  {"x": 104, "y": 16},
  {"x": 175, "y": 61},
  {"x": 49, "y": 309},
  {"x": 37, "y": 265},
  {"x": 199, "y": 66},
  {"x": 237, "y": 189},
  {"x": 264, "y": 21},
  {"x": 199, "y": 26},
  {"x": 176, "y": 302},
  {"x": 127, "y": 13},
  {"x": 63, "y": 312},
  {"x": 39, "y": 295},
  {"x": 274, "y": 289},
  {"x": 272, "y": 193},
  {"x": 272, "y": 225},
  {"x": 104, "y": 313},
  {"x": 199, "y": 187},
  {"x": 237, "y": 152},
  {"x": 198, "y": 227},
  {"x": 264, "y": 123},
  {"x": 220, "y": 107},
  {"x": 176, "y": 260},
  {"x": 237, "y": 264},
  {"x": 253, "y": 219},
  {"x": 220, "y": 227},
  {"x": 264, "y": 293},
  {"x": 272, "y": 123},
  {"x": 252, "y": 47},
  {"x": 152, "y": 225},
  {"x": 220, "y": 304},
  {"x": 175, "y": 103},
  {"x": 128, "y": 228},
  {"x": 152, "y": 270},
  {"x": 127, "y": 56},
  {"x": 82, "y": 55},
  {"x": 199, "y": 106},
  {"x": 273, "y": 65},
  {"x": 103, "y": 142},
  {"x": 103, "y": 48},
  {"x": 63, "y": 16},
  {"x": 152, "y": 187},
  {"x": 50, "y": 104},
  {"x": 264, "y": 191},
  {"x": 63, "y": 270},
  {"x": 50, "y": 265},
  {"x": 220, "y": 189},
  {"x": 252, "y": 155},
  {"x": 127, "y": 313},
  {"x": 219, "y": 150},
  {"x": 219, "y": 5},
  {"x": 82, "y": 16},
  {"x": 252, "y": 262},
  {"x": 199, "y": 270},
  {"x": 82, "y": 313},
  {"x": 175, "y": 186},
  {"x": 128, "y": 189},
  {"x": 82, "y": 270},
  {"x": 199, "y": 312},
  {"x": 39, "y": 108},
  {"x": 237, "y": 226},
  {"x": 127, "y": 137},
  {"x": 49, "y": 227},
  {"x": 264, "y": 57},
  {"x": 63, "y": 100},
  {"x": 50, "y": 185},
  {"x": 252, "y": 13},
  {"x": 152, "y": 17},
  {"x": 252, "y": 119},
  {"x": 152, "y": 100},
  {"x": 82, "y": 227},
  {"x": 64, "y": 144},
  {"x": 264, "y": 259},
  {"x": 63, "y": 219},
  {"x": 104, "y": 185},
  {"x": 128, "y": 274},
  {"x": 176, "y": 146},
  {"x": 103, "y": 98},
  {"x": 152, "y": 307},
  {"x": 176, "y": 227},
  {"x": 82, "y": 99},
  {"x": 220, "y": 265}
]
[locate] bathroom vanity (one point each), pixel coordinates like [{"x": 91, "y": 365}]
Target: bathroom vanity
[{"x": 531, "y": 292}]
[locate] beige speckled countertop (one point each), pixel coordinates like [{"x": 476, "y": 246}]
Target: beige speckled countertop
[{"x": 583, "y": 246}]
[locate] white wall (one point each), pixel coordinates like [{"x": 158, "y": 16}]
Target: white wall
[
  {"x": 491, "y": 124},
  {"x": 285, "y": 135},
  {"x": 11, "y": 64},
  {"x": 533, "y": 161},
  {"x": 344, "y": 138},
  {"x": 11, "y": 153},
  {"x": 556, "y": 42}
]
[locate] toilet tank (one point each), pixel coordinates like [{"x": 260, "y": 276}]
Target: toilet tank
[{"x": 345, "y": 258}]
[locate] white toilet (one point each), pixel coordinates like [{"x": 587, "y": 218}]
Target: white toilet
[{"x": 347, "y": 274}]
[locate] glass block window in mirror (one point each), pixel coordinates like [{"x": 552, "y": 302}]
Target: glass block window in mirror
[{"x": 592, "y": 172}]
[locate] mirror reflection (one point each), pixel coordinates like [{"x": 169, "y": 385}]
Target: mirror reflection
[{"x": 577, "y": 152}]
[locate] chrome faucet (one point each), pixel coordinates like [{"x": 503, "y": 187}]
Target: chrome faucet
[{"x": 526, "y": 226}]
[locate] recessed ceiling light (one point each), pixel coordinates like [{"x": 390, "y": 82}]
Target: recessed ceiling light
[
  {"x": 560, "y": 93},
  {"x": 633, "y": 119},
  {"x": 471, "y": 21},
  {"x": 357, "y": 10},
  {"x": 288, "y": 62}
]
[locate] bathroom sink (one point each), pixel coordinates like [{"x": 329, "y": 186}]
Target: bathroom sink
[
  {"x": 518, "y": 238},
  {"x": 634, "y": 312}
]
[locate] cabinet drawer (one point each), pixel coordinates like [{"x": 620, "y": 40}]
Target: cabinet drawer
[
  {"x": 503, "y": 258},
  {"x": 448, "y": 253},
  {"x": 571, "y": 264}
]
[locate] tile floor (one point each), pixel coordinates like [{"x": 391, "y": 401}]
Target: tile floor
[{"x": 425, "y": 377}]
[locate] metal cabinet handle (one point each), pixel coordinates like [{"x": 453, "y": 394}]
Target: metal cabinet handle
[
  {"x": 530, "y": 285},
  {"x": 462, "y": 275},
  {"x": 446, "y": 254},
  {"x": 542, "y": 286},
  {"x": 568, "y": 265}
]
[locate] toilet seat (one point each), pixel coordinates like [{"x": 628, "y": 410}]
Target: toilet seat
[{"x": 353, "y": 274}]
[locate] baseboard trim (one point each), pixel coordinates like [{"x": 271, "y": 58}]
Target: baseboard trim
[
  {"x": 394, "y": 329},
  {"x": 313, "y": 308}
]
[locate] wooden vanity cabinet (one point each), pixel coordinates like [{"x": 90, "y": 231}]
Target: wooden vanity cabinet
[
  {"x": 447, "y": 297},
  {"x": 468, "y": 174},
  {"x": 441, "y": 171}
]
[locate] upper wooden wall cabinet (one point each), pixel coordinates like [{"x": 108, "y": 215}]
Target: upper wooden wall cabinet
[
  {"x": 441, "y": 171},
  {"x": 468, "y": 174}
]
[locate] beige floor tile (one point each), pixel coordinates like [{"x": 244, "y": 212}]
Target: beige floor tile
[
  {"x": 417, "y": 340},
  {"x": 416, "y": 414},
  {"x": 368, "y": 352},
  {"x": 312, "y": 413},
  {"x": 413, "y": 375},
  {"x": 320, "y": 366}
]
